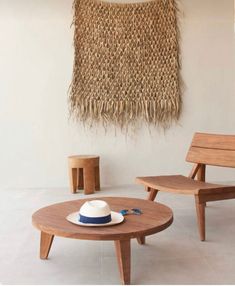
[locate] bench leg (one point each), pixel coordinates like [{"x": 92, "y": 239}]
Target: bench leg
[
  {"x": 152, "y": 194},
  {"x": 200, "y": 209}
]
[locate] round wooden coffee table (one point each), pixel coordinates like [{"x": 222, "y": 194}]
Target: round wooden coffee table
[{"x": 51, "y": 221}]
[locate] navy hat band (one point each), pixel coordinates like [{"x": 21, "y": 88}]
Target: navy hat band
[{"x": 95, "y": 220}]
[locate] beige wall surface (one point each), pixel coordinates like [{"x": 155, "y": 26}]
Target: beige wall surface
[{"x": 36, "y": 59}]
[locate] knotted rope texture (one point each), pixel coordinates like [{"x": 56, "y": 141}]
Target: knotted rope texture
[{"x": 126, "y": 63}]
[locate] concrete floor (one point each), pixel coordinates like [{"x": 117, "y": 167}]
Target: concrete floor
[{"x": 174, "y": 256}]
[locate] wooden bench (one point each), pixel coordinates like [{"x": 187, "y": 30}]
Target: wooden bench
[{"x": 205, "y": 149}]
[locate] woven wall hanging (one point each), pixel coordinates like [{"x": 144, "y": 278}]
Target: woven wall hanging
[{"x": 126, "y": 65}]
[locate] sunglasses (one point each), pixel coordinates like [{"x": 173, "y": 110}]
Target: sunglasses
[{"x": 131, "y": 211}]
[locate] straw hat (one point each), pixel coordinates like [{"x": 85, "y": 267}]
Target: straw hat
[{"x": 95, "y": 213}]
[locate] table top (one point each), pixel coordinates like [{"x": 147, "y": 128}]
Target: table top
[{"x": 155, "y": 218}]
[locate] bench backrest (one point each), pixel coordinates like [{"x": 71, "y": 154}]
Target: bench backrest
[{"x": 212, "y": 149}]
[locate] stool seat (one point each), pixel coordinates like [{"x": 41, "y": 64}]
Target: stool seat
[
  {"x": 80, "y": 157},
  {"x": 84, "y": 173}
]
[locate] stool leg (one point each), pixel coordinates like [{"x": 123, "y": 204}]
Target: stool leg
[
  {"x": 97, "y": 178},
  {"x": 73, "y": 177},
  {"x": 80, "y": 179},
  {"x": 89, "y": 180}
]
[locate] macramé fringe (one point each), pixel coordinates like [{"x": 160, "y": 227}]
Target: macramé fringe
[{"x": 161, "y": 113}]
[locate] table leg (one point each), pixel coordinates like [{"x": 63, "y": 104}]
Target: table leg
[
  {"x": 123, "y": 252},
  {"x": 45, "y": 244},
  {"x": 141, "y": 239}
]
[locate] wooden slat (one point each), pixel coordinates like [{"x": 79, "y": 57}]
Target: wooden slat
[
  {"x": 177, "y": 184},
  {"x": 214, "y": 141},
  {"x": 217, "y": 191},
  {"x": 214, "y": 157},
  {"x": 217, "y": 196}
]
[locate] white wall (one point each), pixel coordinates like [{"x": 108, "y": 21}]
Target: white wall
[{"x": 36, "y": 57}]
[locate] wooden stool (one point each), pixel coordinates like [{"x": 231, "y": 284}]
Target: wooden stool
[{"x": 84, "y": 173}]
